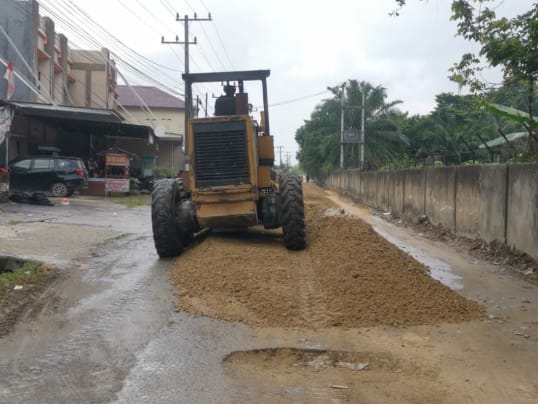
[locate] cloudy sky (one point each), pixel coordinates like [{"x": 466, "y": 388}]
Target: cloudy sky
[{"x": 307, "y": 45}]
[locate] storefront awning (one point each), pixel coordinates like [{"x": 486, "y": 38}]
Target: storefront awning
[{"x": 67, "y": 116}]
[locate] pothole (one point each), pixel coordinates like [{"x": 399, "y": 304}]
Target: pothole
[
  {"x": 316, "y": 360},
  {"x": 286, "y": 374}
]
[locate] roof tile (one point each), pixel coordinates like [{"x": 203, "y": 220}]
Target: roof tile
[{"x": 152, "y": 96}]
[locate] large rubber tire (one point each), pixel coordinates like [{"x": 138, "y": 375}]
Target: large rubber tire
[
  {"x": 292, "y": 212},
  {"x": 164, "y": 201}
]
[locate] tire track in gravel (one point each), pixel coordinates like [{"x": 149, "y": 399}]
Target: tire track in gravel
[{"x": 311, "y": 297}]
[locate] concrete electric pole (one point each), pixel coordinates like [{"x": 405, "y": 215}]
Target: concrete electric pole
[
  {"x": 188, "y": 96},
  {"x": 342, "y": 99},
  {"x": 280, "y": 148},
  {"x": 361, "y": 143},
  {"x": 288, "y": 159}
]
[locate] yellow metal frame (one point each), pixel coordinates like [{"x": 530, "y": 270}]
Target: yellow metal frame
[{"x": 227, "y": 205}]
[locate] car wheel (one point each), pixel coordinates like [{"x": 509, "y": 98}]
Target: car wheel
[{"x": 59, "y": 190}]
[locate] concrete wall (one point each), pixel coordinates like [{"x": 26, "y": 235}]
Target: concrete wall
[
  {"x": 92, "y": 85},
  {"x": 522, "y": 209},
  {"x": 172, "y": 119},
  {"x": 492, "y": 209},
  {"x": 414, "y": 192},
  {"x": 491, "y": 202},
  {"x": 467, "y": 209},
  {"x": 440, "y": 196},
  {"x": 398, "y": 196}
]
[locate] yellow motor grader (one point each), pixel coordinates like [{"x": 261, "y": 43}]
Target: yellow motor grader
[{"x": 229, "y": 180}]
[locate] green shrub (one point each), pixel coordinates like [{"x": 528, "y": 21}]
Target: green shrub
[{"x": 162, "y": 172}]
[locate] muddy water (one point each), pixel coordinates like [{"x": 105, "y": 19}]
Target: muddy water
[
  {"x": 439, "y": 269},
  {"x": 91, "y": 333}
]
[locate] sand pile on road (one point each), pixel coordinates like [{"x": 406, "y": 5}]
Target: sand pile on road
[{"x": 348, "y": 276}]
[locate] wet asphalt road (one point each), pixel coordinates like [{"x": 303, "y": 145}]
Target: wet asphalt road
[{"x": 106, "y": 330}]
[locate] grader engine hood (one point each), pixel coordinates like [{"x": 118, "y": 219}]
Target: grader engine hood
[
  {"x": 224, "y": 171},
  {"x": 221, "y": 153}
]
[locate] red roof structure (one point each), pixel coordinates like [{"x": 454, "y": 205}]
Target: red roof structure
[{"x": 152, "y": 96}]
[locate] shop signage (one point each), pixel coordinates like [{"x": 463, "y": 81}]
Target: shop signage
[
  {"x": 117, "y": 185},
  {"x": 116, "y": 159}
]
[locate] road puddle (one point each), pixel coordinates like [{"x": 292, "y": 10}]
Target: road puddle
[{"x": 439, "y": 270}]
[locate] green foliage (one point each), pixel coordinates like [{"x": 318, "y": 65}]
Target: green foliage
[
  {"x": 511, "y": 44},
  {"x": 513, "y": 114},
  {"x": 134, "y": 201},
  {"x": 134, "y": 186},
  {"x": 319, "y": 137},
  {"x": 25, "y": 275},
  {"x": 162, "y": 172}
]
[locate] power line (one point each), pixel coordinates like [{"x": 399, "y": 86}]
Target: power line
[
  {"x": 86, "y": 36},
  {"x": 186, "y": 42},
  {"x": 23, "y": 60},
  {"x": 92, "y": 92},
  {"x": 219, "y": 37},
  {"x": 168, "y": 7},
  {"x": 100, "y": 30},
  {"x": 292, "y": 100}
]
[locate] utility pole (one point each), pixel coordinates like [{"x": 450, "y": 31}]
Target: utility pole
[
  {"x": 280, "y": 148},
  {"x": 188, "y": 96},
  {"x": 288, "y": 159},
  {"x": 342, "y": 99},
  {"x": 361, "y": 143},
  {"x": 342, "y": 96}
]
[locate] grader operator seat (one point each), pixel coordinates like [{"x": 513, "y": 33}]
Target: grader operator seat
[{"x": 225, "y": 104}]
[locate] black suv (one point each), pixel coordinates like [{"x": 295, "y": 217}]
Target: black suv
[{"x": 59, "y": 175}]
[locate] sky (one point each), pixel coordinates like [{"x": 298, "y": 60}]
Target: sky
[{"x": 307, "y": 44}]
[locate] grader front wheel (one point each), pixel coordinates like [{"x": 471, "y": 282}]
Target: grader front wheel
[
  {"x": 292, "y": 212},
  {"x": 164, "y": 201}
]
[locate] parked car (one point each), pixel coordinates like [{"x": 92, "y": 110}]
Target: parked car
[{"x": 57, "y": 175}]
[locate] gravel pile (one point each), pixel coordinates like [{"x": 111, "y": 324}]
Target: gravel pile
[{"x": 348, "y": 276}]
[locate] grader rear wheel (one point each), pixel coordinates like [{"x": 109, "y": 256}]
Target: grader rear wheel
[
  {"x": 166, "y": 235},
  {"x": 292, "y": 212}
]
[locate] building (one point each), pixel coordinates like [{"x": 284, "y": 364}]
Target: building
[
  {"x": 62, "y": 75},
  {"x": 167, "y": 116},
  {"x": 65, "y": 98}
]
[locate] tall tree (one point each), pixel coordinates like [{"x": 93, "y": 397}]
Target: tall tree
[
  {"x": 319, "y": 137},
  {"x": 511, "y": 44}
]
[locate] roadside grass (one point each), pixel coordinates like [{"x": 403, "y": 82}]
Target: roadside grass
[
  {"x": 24, "y": 275},
  {"x": 13, "y": 222},
  {"x": 134, "y": 201}
]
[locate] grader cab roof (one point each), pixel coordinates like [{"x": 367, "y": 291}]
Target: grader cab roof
[
  {"x": 244, "y": 75},
  {"x": 240, "y": 76}
]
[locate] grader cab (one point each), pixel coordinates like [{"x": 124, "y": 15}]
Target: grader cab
[{"x": 229, "y": 180}]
